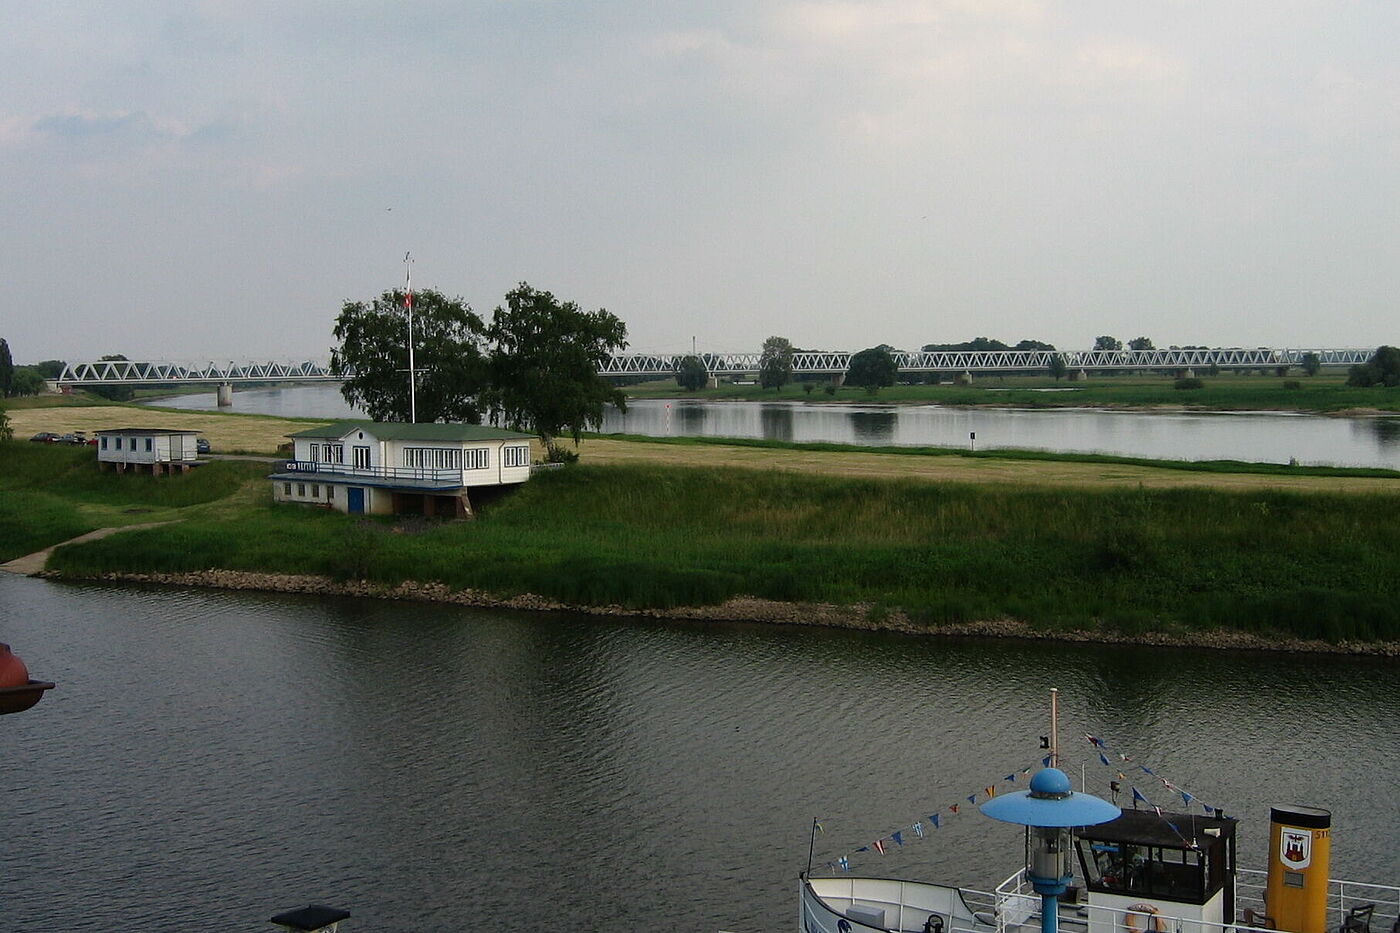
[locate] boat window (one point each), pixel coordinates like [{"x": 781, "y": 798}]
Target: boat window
[{"x": 1127, "y": 868}]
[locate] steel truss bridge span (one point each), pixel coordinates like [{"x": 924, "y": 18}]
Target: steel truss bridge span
[
  {"x": 132, "y": 372},
  {"x": 836, "y": 362},
  {"x": 807, "y": 362}
]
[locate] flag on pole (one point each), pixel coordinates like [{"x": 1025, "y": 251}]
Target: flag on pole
[
  {"x": 898, "y": 838},
  {"x": 1137, "y": 795},
  {"x": 1186, "y": 798},
  {"x": 954, "y": 808},
  {"x": 1045, "y": 761},
  {"x": 919, "y": 830},
  {"x": 933, "y": 818},
  {"x": 845, "y": 863},
  {"x": 971, "y": 798},
  {"x": 879, "y": 846},
  {"x": 990, "y": 791}
]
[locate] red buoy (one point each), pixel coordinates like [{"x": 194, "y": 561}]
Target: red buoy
[
  {"x": 17, "y": 692},
  {"x": 13, "y": 673}
]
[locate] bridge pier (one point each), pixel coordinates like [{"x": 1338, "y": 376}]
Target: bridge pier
[
  {"x": 963, "y": 378},
  {"x": 712, "y": 381},
  {"x": 839, "y": 379},
  {"x": 1080, "y": 376},
  {"x": 225, "y": 395},
  {"x": 1189, "y": 374}
]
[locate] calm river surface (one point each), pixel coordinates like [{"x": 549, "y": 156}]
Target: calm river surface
[
  {"x": 1253, "y": 436},
  {"x": 211, "y": 758}
]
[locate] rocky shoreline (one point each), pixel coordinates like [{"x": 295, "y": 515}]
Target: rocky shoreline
[{"x": 738, "y": 609}]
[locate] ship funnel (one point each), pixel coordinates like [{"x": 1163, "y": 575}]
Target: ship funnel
[{"x": 1300, "y": 847}]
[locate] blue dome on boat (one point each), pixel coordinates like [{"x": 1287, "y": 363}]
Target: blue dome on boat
[{"x": 1050, "y": 802}]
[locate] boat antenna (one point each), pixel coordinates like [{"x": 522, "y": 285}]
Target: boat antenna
[{"x": 408, "y": 305}]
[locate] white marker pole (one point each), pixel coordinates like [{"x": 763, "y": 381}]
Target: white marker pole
[{"x": 408, "y": 303}]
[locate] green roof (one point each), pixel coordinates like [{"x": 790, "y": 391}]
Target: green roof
[{"x": 399, "y": 431}]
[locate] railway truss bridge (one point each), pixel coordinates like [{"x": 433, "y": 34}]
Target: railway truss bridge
[{"x": 964, "y": 364}]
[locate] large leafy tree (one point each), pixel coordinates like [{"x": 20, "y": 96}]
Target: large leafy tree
[
  {"x": 775, "y": 363},
  {"x": 1140, "y": 343},
  {"x": 872, "y": 368},
  {"x": 691, "y": 373},
  {"x": 449, "y": 357},
  {"x": 544, "y": 365},
  {"x": 1383, "y": 369},
  {"x": 1107, "y": 342}
]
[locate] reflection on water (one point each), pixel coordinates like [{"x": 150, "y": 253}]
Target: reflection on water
[
  {"x": 209, "y": 758},
  {"x": 776, "y": 422},
  {"x": 873, "y": 427},
  {"x": 1251, "y": 436}
]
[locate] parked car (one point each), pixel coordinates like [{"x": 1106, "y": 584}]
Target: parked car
[
  {"x": 68, "y": 439},
  {"x": 201, "y": 445},
  {"x": 45, "y": 437}
]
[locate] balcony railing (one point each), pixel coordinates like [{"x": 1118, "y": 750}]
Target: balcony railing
[{"x": 375, "y": 472}]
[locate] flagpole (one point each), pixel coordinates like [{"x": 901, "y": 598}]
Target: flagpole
[
  {"x": 412, "y": 377},
  {"x": 1054, "y": 726}
]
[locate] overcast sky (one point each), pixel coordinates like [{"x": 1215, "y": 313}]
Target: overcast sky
[{"x": 190, "y": 179}]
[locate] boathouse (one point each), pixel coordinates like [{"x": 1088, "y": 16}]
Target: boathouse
[
  {"x": 153, "y": 450},
  {"x": 392, "y": 468}
]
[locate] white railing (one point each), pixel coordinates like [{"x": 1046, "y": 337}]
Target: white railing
[
  {"x": 1016, "y": 903},
  {"x": 374, "y": 472}
]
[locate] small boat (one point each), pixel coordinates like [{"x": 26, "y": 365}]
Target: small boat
[{"x": 1137, "y": 871}]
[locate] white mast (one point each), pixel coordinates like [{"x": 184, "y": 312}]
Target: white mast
[{"x": 408, "y": 303}]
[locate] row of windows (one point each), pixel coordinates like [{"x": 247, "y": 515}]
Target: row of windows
[
  {"x": 118, "y": 444},
  {"x": 315, "y": 489},
  {"x": 515, "y": 456},
  {"x": 434, "y": 458},
  {"x": 327, "y": 453}
]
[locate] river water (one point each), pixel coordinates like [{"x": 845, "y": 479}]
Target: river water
[
  {"x": 1269, "y": 437},
  {"x": 210, "y": 758}
]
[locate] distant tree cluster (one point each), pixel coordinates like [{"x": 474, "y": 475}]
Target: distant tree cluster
[
  {"x": 1383, "y": 369},
  {"x": 986, "y": 343},
  {"x": 24, "y": 380}
]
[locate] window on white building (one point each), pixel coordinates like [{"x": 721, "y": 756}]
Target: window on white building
[
  {"x": 301, "y": 490},
  {"x": 148, "y": 443},
  {"x": 433, "y": 458},
  {"x": 515, "y": 456},
  {"x": 478, "y": 458},
  {"x": 315, "y": 454}
]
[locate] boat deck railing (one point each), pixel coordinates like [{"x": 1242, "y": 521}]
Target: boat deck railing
[{"x": 1017, "y": 906}]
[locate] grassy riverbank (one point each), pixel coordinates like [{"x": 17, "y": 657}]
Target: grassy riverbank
[
  {"x": 50, "y": 493},
  {"x": 1314, "y": 565},
  {"x": 1326, "y": 392}
]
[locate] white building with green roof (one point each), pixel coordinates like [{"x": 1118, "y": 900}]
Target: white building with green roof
[{"x": 389, "y": 468}]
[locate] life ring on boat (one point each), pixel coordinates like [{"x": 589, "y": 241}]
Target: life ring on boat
[{"x": 1151, "y": 919}]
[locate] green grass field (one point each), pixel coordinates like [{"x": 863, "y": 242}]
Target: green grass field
[
  {"x": 1303, "y": 565},
  {"x": 50, "y": 493}
]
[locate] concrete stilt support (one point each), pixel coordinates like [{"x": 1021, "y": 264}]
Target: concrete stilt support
[
  {"x": 1189, "y": 374},
  {"x": 712, "y": 381},
  {"x": 226, "y": 395},
  {"x": 839, "y": 379},
  {"x": 963, "y": 378}
]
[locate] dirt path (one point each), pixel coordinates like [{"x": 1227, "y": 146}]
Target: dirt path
[{"x": 31, "y": 564}]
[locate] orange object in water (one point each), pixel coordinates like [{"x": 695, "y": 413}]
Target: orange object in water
[{"x": 13, "y": 673}]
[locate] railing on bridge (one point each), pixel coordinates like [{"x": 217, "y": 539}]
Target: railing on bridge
[{"x": 807, "y": 362}]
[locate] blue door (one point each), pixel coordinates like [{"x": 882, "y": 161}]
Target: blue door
[{"x": 355, "y": 499}]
